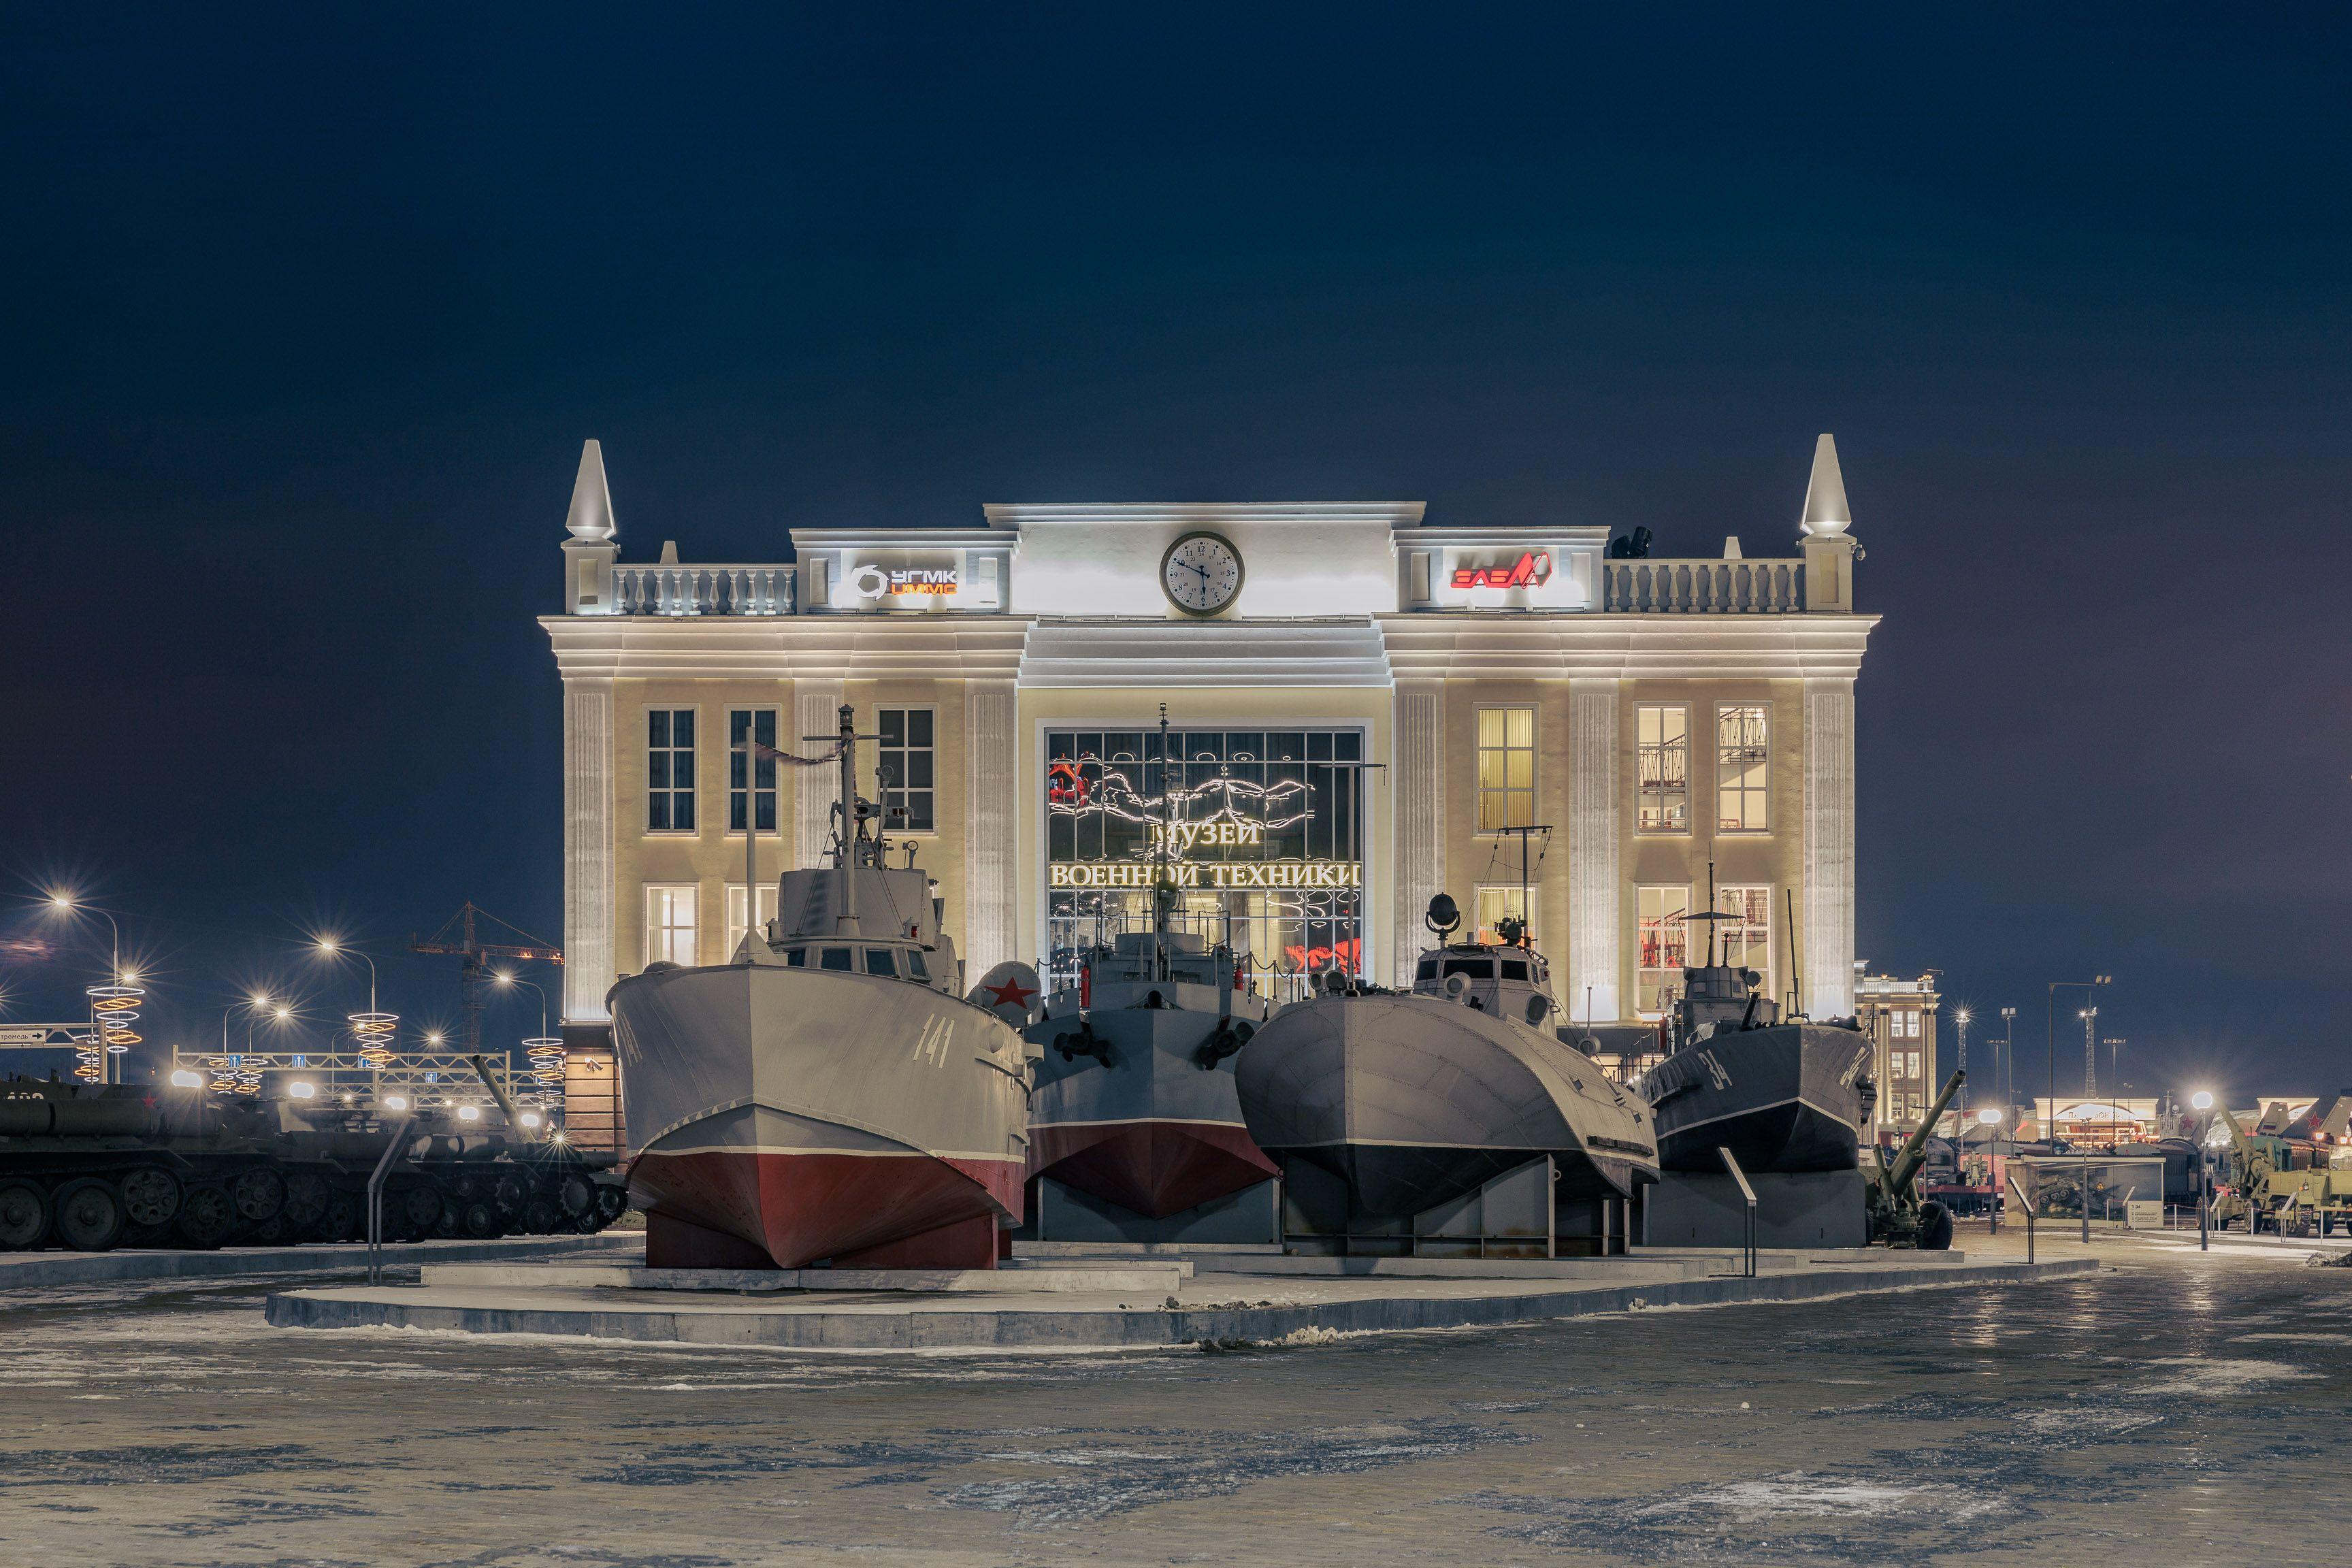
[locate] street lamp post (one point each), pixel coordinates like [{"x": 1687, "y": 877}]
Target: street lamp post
[
  {"x": 100, "y": 1033},
  {"x": 1991, "y": 1117},
  {"x": 2049, "y": 1038},
  {"x": 2203, "y": 1102}
]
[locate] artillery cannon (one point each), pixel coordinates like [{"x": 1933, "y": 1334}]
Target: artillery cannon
[{"x": 1897, "y": 1214}]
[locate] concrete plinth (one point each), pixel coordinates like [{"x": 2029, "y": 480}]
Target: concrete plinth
[
  {"x": 1811, "y": 1210},
  {"x": 1209, "y": 1308},
  {"x": 1140, "y": 1277}
]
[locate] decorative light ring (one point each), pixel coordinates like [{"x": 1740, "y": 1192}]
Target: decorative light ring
[
  {"x": 376, "y": 1033},
  {"x": 546, "y": 1052}
]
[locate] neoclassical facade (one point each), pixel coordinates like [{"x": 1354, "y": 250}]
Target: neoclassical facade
[{"x": 1362, "y": 710}]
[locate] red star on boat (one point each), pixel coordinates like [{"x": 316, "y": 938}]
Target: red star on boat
[{"x": 1010, "y": 993}]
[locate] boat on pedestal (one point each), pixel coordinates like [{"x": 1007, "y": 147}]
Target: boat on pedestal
[
  {"x": 828, "y": 1097},
  {"x": 1391, "y": 1111}
]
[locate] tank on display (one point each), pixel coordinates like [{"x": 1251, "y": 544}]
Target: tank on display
[
  {"x": 94, "y": 1167},
  {"x": 1781, "y": 1095},
  {"x": 1386, "y": 1110},
  {"x": 829, "y": 1095}
]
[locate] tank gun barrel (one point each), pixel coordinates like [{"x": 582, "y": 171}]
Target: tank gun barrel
[
  {"x": 514, "y": 1117},
  {"x": 1914, "y": 1152}
]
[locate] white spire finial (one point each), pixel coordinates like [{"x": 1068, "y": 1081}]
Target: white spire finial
[
  {"x": 591, "y": 501},
  {"x": 1826, "y": 514}
]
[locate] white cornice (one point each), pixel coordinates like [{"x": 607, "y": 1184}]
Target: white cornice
[
  {"x": 1161, "y": 513},
  {"x": 1537, "y": 647},
  {"x": 789, "y": 648},
  {"x": 1184, "y": 653},
  {"x": 1122, "y": 652}
]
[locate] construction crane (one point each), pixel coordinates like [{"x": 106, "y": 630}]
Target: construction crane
[{"x": 458, "y": 937}]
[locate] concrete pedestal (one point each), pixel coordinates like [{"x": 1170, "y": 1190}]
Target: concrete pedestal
[{"x": 1811, "y": 1209}]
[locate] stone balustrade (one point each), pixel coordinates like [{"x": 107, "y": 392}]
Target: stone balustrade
[
  {"x": 674, "y": 590},
  {"x": 1703, "y": 587}
]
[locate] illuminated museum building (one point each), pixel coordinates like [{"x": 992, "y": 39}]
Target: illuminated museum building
[{"x": 1362, "y": 707}]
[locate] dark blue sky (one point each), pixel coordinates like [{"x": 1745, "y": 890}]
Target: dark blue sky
[{"x": 307, "y": 313}]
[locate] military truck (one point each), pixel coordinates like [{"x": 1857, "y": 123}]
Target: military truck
[{"x": 2292, "y": 1187}]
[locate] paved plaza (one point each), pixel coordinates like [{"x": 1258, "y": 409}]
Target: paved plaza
[{"x": 2176, "y": 1409}]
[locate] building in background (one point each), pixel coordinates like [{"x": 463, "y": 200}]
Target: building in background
[
  {"x": 1899, "y": 1016},
  {"x": 1364, "y": 710}
]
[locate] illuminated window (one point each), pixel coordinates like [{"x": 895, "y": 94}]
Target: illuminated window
[
  {"x": 735, "y": 912},
  {"x": 1507, "y": 768},
  {"x": 1662, "y": 751},
  {"x": 758, "y": 724},
  {"x": 1661, "y": 927},
  {"x": 1746, "y": 943},
  {"x": 669, "y": 922},
  {"x": 907, "y": 760},
  {"x": 1742, "y": 770},
  {"x": 1497, "y": 905},
  {"x": 670, "y": 770}
]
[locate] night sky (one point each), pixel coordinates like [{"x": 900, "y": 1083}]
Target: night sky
[{"x": 307, "y": 315}]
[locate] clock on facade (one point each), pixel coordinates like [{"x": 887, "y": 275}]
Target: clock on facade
[{"x": 1200, "y": 573}]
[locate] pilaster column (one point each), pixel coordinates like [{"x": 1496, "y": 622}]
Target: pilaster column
[
  {"x": 588, "y": 911},
  {"x": 1593, "y": 791},
  {"x": 990, "y": 828},
  {"x": 816, "y": 706},
  {"x": 1828, "y": 936},
  {"x": 1417, "y": 797}
]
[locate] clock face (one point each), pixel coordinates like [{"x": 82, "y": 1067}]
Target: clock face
[{"x": 1200, "y": 573}]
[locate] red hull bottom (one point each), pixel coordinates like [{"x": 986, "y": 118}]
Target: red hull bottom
[
  {"x": 717, "y": 1210},
  {"x": 1151, "y": 1168}
]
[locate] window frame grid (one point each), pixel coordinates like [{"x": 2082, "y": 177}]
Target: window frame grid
[
  {"x": 1643, "y": 791},
  {"x": 1760, "y": 792},
  {"x": 694, "y": 771},
  {"x": 1480, "y": 791},
  {"x": 658, "y": 950},
  {"x": 772, "y": 789},
  {"x": 882, "y": 754},
  {"x": 733, "y": 896},
  {"x": 1507, "y": 893},
  {"x": 1641, "y": 968},
  {"x": 1763, "y": 928}
]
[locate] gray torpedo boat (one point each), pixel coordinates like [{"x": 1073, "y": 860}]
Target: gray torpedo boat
[{"x": 1413, "y": 1099}]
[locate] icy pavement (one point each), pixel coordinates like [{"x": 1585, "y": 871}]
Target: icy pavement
[{"x": 2179, "y": 1408}]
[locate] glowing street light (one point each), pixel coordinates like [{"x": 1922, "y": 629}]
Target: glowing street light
[{"x": 186, "y": 1079}]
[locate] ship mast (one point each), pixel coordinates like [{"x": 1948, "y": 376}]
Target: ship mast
[{"x": 849, "y": 838}]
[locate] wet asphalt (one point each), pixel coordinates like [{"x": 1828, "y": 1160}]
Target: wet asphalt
[{"x": 2176, "y": 1409}]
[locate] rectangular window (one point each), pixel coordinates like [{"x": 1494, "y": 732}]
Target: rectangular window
[
  {"x": 750, "y": 724},
  {"x": 1662, "y": 927},
  {"x": 1497, "y": 905},
  {"x": 1662, "y": 753},
  {"x": 1746, "y": 943},
  {"x": 1507, "y": 768},
  {"x": 670, "y": 770},
  {"x": 1742, "y": 769},
  {"x": 908, "y": 757},
  {"x": 735, "y": 913},
  {"x": 670, "y": 923}
]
